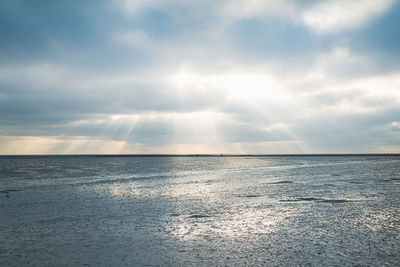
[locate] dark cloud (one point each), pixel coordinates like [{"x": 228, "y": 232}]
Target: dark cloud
[
  {"x": 46, "y": 106},
  {"x": 350, "y": 132}
]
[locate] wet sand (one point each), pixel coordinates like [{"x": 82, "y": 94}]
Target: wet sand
[{"x": 74, "y": 211}]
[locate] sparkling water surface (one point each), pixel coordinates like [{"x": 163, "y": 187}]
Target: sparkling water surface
[{"x": 203, "y": 211}]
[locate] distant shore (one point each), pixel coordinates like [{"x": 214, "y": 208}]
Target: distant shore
[{"x": 204, "y": 155}]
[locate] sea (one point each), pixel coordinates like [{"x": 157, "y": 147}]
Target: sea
[{"x": 292, "y": 210}]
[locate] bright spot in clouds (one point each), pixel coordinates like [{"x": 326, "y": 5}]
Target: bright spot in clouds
[{"x": 241, "y": 84}]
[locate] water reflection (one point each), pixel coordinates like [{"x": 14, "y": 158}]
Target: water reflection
[
  {"x": 126, "y": 191},
  {"x": 202, "y": 211},
  {"x": 241, "y": 224}
]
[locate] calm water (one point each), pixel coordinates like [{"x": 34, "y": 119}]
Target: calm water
[{"x": 81, "y": 211}]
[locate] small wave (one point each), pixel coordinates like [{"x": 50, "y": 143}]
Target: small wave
[
  {"x": 8, "y": 191},
  {"x": 251, "y": 196},
  {"x": 282, "y": 182},
  {"x": 315, "y": 199},
  {"x": 198, "y": 216},
  {"x": 334, "y": 201}
]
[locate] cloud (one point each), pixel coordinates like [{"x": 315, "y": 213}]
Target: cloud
[
  {"x": 326, "y": 16},
  {"x": 34, "y": 145},
  {"x": 186, "y": 76},
  {"x": 364, "y": 132},
  {"x": 335, "y": 15},
  {"x": 240, "y": 9}
]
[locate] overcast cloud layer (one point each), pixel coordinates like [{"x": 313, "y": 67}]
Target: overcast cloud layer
[{"x": 178, "y": 76}]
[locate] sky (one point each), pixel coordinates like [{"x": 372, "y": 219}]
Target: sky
[{"x": 185, "y": 76}]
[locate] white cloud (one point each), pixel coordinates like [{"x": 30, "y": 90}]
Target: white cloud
[
  {"x": 322, "y": 16},
  {"x": 343, "y": 62},
  {"x": 239, "y": 9},
  {"x": 334, "y": 15},
  {"x": 237, "y": 82}
]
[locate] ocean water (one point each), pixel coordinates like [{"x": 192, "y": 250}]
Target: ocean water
[{"x": 202, "y": 211}]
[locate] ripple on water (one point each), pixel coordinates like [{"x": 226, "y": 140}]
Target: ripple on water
[
  {"x": 250, "y": 196},
  {"x": 282, "y": 182},
  {"x": 198, "y": 216},
  {"x": 319, "y": 200}
]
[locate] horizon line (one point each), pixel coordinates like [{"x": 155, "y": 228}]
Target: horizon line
[{"x": 203, "y": 155}]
